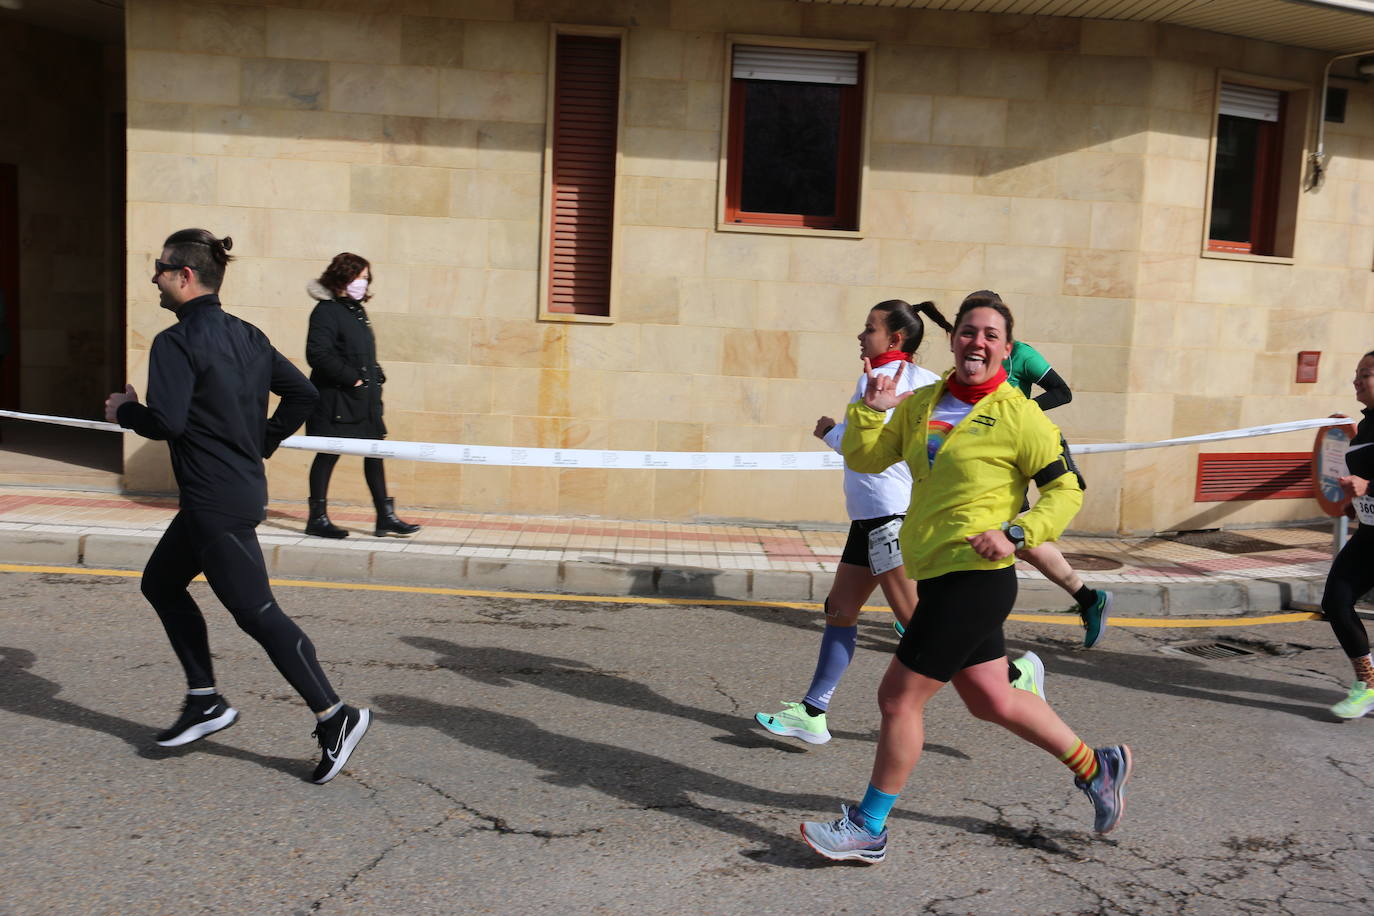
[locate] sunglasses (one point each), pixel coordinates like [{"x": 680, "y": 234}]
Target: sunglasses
[{"x": 164, "y": 266}]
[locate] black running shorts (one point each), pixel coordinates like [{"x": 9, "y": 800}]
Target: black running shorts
[
  {"x": 856, "y": 546},
  {"x": 958, "y": 621}
]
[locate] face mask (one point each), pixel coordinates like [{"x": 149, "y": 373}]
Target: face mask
[{"x": 357, "y": 289}]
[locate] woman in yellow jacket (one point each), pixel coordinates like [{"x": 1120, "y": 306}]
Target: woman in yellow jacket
[{"x": 973, "y": 444}]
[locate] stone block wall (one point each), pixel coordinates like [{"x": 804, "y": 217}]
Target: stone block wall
[{"x": 1060, "y": 162}]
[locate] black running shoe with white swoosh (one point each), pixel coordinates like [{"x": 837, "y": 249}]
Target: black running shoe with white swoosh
[
  {"x": 200, "y": 716},
  {"x": 338, "y": 736}
]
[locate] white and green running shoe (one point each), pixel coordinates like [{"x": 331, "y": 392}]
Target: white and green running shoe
[
  {"x": 1031, "y": 676},
  {"x": 793, "y": 721},
  {"x": 1359, "y": 701}
]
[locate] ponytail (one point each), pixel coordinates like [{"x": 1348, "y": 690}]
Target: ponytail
[
  {"x": 904, "y": 318},
  {"x": 199, "y": 250}
]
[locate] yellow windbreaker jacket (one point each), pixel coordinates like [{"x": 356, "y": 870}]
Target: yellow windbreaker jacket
[{"x": 979, "y": 477}]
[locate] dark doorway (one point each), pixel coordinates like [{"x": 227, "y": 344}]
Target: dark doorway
[
  {"x": 62, "y": 236},
  {"x": 9, "y": 287}
]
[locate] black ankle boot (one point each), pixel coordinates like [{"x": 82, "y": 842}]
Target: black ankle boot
[
  {"x": 319, "y": 524},
  {"x": 389, "y": 524}
]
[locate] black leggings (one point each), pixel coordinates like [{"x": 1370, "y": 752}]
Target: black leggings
[
  {"x": 323, "y": 466},
  {"x": 226, "y": 550},
  {"x": 1351, "y": 576}
]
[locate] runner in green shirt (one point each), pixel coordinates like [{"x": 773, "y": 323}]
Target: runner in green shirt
[{"x": 1026, "y": 366}]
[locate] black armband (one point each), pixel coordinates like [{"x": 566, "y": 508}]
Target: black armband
[
  {"x": 1052, "y": 471},
  {"x": 1057, "y": 391},
  {"x": 1059, "y": 467}
]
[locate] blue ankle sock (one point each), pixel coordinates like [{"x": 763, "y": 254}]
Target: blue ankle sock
[
  {"x": 873, "y": 810},
  {"x": 837, "y": 649}
]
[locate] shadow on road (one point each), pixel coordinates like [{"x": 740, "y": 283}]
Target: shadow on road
[
  {"x": 639, "y": 780},
  {"x": 28, "y": 694},
  {"x": 499, "y": 666},
  {"x": 1178, "y": 676},
  {"x": 875, "y": 630}
]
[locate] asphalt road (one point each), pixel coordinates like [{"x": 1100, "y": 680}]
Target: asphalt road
[{"x": 599, "y": 757}]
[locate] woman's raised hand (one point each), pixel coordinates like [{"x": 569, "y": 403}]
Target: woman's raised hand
[{"x": 880, "y": 391}]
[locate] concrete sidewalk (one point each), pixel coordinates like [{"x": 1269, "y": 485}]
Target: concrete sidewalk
[{"x": 1253, "y": 571}]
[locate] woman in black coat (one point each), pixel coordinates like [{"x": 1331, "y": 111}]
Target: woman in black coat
[{"x": 343, "y": 365}]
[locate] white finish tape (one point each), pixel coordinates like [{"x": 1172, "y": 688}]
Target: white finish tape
[{"x": 512, "y": 456}]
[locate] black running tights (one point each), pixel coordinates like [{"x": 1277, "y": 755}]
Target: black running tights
[
  {"x": 226, "y": 550},
  {"x": 323, "y": 467},
  {"x": 1352, "y": 574}
]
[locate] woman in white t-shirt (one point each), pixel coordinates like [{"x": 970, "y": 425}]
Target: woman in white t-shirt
[{"x": 876, "y": 504}]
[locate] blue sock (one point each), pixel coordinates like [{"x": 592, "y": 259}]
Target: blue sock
[
  {"x": 873, "y": 810},
  {"x": 837, "y": 649}
]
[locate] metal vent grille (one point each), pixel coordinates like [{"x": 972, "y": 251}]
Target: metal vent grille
[
  {"x": 1215, "y": 651},
  {"x": 1253, "y": 475}
]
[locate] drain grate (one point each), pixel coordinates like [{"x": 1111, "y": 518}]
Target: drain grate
[
  {"x": 1210, "y": 650},
  {"x": 1226, "y": 542},
  {"x": 1092, "y": 562}
]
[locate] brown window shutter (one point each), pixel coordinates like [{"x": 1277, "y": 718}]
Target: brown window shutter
[
  {"x": 586, "y": 113},
  {"x": 1231, "y": 476}
]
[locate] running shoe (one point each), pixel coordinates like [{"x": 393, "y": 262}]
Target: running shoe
[
  {"x": 1031, "y": 677},
  {"x": 200, "y": 716},
  {"x": 793, "y": 721},
  {"x": 338, "y": 736},
  {"x": 1106, "y": 790},
  {"x": 1095, "y": 618},
  {"x": 1357, "y": 703},
  {"x": 843, "y": 838}
]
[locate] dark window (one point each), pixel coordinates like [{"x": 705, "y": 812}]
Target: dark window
[
  {"x": 1335, "y": 105},
  {"x": 793, "y": 157},
  {"x": 1246, "y": 171}
]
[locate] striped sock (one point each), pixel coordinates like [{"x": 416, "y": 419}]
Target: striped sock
[{"x": 1081, "y": 759}]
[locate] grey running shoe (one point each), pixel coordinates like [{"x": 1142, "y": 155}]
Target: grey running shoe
[
  {"x": 1106, "y": 790},
  {"x": 842, "y": 839}
]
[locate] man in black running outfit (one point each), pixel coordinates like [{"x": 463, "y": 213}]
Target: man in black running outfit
[{"x": 208, "y": 380}]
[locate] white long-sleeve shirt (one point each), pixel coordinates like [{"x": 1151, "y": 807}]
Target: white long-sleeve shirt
[{"x": 889, "y": 492}]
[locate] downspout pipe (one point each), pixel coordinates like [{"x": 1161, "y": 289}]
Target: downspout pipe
[{"x": 1317, "y": 160}]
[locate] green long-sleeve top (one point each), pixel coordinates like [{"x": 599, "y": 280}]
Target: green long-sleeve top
[{"x": 978, "y": 479}]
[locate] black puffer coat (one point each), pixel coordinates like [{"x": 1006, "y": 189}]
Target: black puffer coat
[{"x": 341, "y": 350}]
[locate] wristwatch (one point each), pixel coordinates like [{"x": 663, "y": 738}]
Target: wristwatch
[{"x": 1016, "y": 534}]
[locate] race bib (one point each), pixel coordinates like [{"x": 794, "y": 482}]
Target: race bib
[
  {"x": 1364, "y": 510},
  {"x": 884, "y": 552}
]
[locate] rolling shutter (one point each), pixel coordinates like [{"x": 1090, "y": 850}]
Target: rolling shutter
[
  {"x": 585, "y": 114},
  {"x": 795, "y": 65},
  {"x": 1250, "y": 102},
  {"x": 1253, "y": 475}
]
